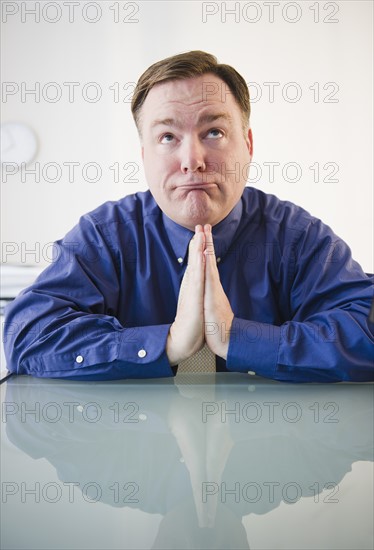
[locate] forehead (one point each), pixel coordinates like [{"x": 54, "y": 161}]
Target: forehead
[{"x": 189, "y": 97}]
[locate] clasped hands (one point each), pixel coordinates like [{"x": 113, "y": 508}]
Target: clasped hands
[{"x": 203, "y": 313}]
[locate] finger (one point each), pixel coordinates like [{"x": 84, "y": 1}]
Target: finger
[
  {"x": 200, "y": 240},
  {"x": 192, "y": 286},
  {"x": 198, "y": 229},
  {"x": 209, "y": 252},
  {"x": 196, "y": 247}
]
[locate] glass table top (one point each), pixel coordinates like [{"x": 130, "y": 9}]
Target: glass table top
[{"x": 209, "y": 461}]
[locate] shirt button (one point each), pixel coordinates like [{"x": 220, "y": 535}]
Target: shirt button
[
  {"x": 79, "y": 359},
  {"x": 252, "y": 372},
  {"x": 218, "y": 260},
  {"x": 142, "y": 353},
  {"x": 180, "y": 260}
]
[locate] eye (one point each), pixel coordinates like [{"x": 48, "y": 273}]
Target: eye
[
  {"x": 215, "y": 133},
  {"x": 166, "y": 138}
]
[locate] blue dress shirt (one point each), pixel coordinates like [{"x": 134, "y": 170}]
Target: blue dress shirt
[{"x": 102, "y": 310}]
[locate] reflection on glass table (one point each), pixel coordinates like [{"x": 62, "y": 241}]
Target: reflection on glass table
[{"x": 213, "y": 461}]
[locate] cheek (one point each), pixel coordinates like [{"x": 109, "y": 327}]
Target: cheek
[
  {"x": 160, "y": 164},
  {"x": 159, "y": 177},
  {"x": 238, "y": 166}
]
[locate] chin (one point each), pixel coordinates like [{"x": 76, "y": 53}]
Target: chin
[
  {"x": 192, "y": 213},
  {"x": 197, "y": 213}
]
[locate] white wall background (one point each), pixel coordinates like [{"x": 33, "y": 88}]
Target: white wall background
[{"x": 329, "y": 50}]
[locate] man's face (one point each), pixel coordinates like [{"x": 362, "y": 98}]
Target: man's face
[{"x": 196, "y": 156}]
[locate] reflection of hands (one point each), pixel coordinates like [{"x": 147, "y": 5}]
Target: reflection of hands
[
  {"x": 205, "y": 447},
  {"x": 203, "y": 312}
]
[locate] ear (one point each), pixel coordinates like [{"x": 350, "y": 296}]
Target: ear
[{"x": 249, "y": 141}]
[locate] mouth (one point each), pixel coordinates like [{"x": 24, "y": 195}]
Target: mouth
[{"x": 203, "y": 186}]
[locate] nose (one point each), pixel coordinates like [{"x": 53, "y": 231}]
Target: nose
[{"x": 192, "y": 156}]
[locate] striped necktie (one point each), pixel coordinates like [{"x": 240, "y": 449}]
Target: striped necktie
[{"x": 202, "y": 361}]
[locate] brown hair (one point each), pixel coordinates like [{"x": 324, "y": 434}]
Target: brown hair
[{"x": 189, "y": 65}]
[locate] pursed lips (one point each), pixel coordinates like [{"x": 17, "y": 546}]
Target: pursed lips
[{"x": 202, "y": 186}]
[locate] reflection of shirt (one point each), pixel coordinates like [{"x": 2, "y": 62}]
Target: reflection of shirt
[{"x": 103, "y": 308}]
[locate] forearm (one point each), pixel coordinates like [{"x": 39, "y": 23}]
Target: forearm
[
  {"x": 335, "y": 346},
  {"x": 80, "y": 345}
]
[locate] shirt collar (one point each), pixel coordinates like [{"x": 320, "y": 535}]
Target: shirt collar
[{"x": 223, "y": 234}]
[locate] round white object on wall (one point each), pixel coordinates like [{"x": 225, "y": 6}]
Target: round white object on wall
[{"x": 18, "y": 143}]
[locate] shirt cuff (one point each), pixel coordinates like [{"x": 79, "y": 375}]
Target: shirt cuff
[
  {"x": 145, "y": 348},
  {"x": 253, "y": 348}
]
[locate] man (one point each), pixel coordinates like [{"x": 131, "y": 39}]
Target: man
[{"x": 142, "y": 284}]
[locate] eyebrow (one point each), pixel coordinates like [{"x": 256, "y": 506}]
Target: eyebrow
[{"x": 203, "y": 119}]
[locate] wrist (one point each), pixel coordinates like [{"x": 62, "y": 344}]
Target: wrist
[
  {"x": 170, "y": 351},
  {"x": 219, "y": 341}
]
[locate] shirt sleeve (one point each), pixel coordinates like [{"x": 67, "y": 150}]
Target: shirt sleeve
[
  {"x": 60, "y": 326},
  {"x": 327, "y": 337}
]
